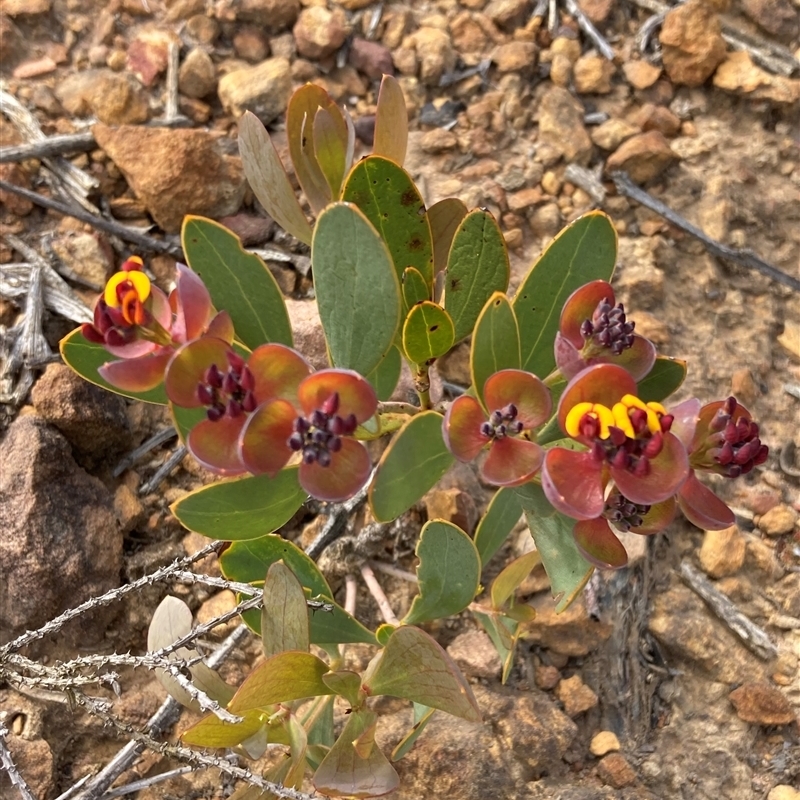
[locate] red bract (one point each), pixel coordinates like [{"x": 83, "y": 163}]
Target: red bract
[
  {"x": 593, "y": 330},
  {"x": 138, "y": 323},
  {"x": 629, "y": 442},
  {"x": 318, "y": 425},
  {"x": 720, "y": 437},
  {"x": 517, "y": 402},
  {"x": 208, "y": 373}
]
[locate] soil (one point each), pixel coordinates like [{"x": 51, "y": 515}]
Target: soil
[{"x": 660, "y": 665}]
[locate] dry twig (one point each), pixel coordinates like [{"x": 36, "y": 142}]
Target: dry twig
[
  {"x": 49, "y": 147},
  {"x": 10, "y": 768}
]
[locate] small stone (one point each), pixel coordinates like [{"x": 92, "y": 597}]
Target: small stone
[
  {"x": 777, "y": 17},
  {"x": 434, "y": 52},
  {"x": 692, "y": 43},
  {"x": 202, "y": 30},
  {"x": 438, "y": 140},
  {"x": 475, "y": 654},
  {"x": 597, "y": 10},
  {"x": 12, "y": 42},
  {"x": 644, "y": 156},
  {"x": 14, "y": 174},
  {"x": 452, "y": 505},
  {"x": 507, "y": 14},
  {"x": 15, "y": 8},
  {"x": 546, "y": 677},
  {"x": 641, "y": 74},
  {"x": 524, "y": 199},
  {"x": 561, "y": 70},
  {"x": 252, "y": 230},
  {"x": 576, "y": 696},
  {"x": 114, "y": 99},
  {"x": 640, "y": 280},
  {"x": 251, "y": 44},
  {"x": 217, "y": 605},
  {"x": 777, "y": 521},
  {"x": 128, "y": 508},
  {"x": 148, "y": 54},
  {"x": 515, "y": 57},
  {"x": 85, "y": 255},
  {"x": 514, "y": 238},
  {"x": 614, "y": 770},
  {"x": 568, "y": 46},
  {"x": 551, "y": 183},
  {"x": 592, "y": 74},
  {"x": 722, "y": 552},
  {"x": 371, "y": 58},
  {"x": 307, "y": 333},
  {"x": 659, "y": 118},
  {"x": 743, "y": 386},
  {"x": 198, "y": 75},
  {"x": 612, "y": 133},
  {"x": 263, "y": 89},
  {"x": 183, "y": 9},
  {"x": 546, "y": 220},
  {"x": 561, "y": 125},
  {"x": 783, "y": 792},
  {"x": 761, "y": 704},
  {"x": 790, "y": 338},
  {"x": 274, "y": 15},
  {"x": 603, "y": 743},
  {"x": 320, "y": 32},
  {"x": 34, "y": 68}
]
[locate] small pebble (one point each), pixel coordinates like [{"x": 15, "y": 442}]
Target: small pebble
[{"x": 603, "y": 743}]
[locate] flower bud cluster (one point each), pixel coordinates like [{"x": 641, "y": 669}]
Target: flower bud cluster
[
  {"x": 320, "y": 434},
  {"x": 228, "y": 393},
  {"x": 502, "y": 422},
  {"x": 734, "y": 445},
  {"x": 609, "y": 327},
  {"x": 623, "y": 513}
]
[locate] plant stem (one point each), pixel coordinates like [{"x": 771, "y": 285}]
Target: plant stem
[
  {"x": 396, "y": 407},
  {"x": 422, "y": 384}
]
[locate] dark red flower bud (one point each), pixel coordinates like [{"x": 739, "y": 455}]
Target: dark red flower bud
[
  {"x": 249, "y": 403},
  {"x": 234, "y": 408},
  {"x": 350, "y": 424},
  {"x": 295, "y": 441},
  {"x": 620, "y": 460},
  {"x": 638, "y": 418},
  {"x": 654, "y": 445},
  {"x": 213, "y": 377},
  {"x": 335, "y": 444},
  {"x": 666, "y": 422},
  {"x": 215, "y": 413},
  {"x": 91, "y": 334},
  {"x": 205, "y": 394},
  {"x": 331, "y": 405},
  {"x": 246, "y": 379},
  {"x": 309, "y": 455},
  {"x": 324, "y": 458},
  {"x": 235, "y": 361},
  {"x": 642, "y": 468},
  {"x": 617, "y": 435}
]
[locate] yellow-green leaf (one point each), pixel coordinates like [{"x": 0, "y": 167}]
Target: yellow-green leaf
[
  {"x": 391, "y": 122},
  {"x": 427, "y": 332},
  {"x": 495, "y": 342}
]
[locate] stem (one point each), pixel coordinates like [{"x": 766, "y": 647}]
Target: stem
[
  {"x": 350, "y": 593},
  {"x": 396, "y": 407},
  {"x": 422, "y": 384},
  {"x": 395, "y": 572},
  {"x": 376, "y": 590},
  {"x": 553, "y": 378}
]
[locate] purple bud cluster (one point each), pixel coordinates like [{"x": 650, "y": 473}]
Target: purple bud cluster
[
  {"x": 609, "y": 327},
  {"x": 736, "y": 446},
  {"x": 320, "y": 434},
  {"x": 228, "y": 393},
  {"x": 623, "y": 513},
  {"x": 502, "y": 422}
]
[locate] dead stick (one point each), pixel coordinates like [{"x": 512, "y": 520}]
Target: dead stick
[
  {"x": 585, "y": 24},
  {"x": 147, "y": 243},
  {"x": 747, "y": 258},
  {"x": 49, "y": 147},
  {"x": 753, "y": 637}
]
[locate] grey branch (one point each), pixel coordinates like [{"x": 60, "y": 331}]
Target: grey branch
[
  {"x": 143, "y": 449},
  {"x": 145, "y": 783},
  {"x": 161, "y": 473},
  {"x": 752, "y": 636},
  {"x": 745, "y": 258},
  {"x": 589, "y": 29},
  {"x": 11, "y": 769},
  {"x": 49, "y": 147}
]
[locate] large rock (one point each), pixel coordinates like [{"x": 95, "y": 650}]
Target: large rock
[
  {"x": 561, "y": 125},
  {"x": 644, "y": 156},
  {"x": 692, "y": 43},
  {"x": 263, "y": 89},
  {"x": 61, "y": 544},
  {"x": 92, "y": 419},
  {"x": 115, "y": 99},
  {"x": 175, "y": 172}
]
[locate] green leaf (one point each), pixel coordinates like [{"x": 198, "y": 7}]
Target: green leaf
[
  {"x": 242, "y": 508},
  {"x": 358, "y": 292},
  {"x": 449, "y": 572},
  {"x": 512, "y": 575},
  {"x": 248, "y": 562},
  {"x": 337, "y": 626},
  {"x": 300, "y": 114},
  {"x": 345, "y": 683},
  {"x": 238, "y": 281},
  {"x": 427, "y": 332},
  {"x": 280, "y": 679},
  {"x": 388, "y": 197},
  {"x": 319, "y": 723},
  {"x": 504, "y": 633},
  {"x": 385, "y": 376},
  {"x": 586, "y": 250},
  {"x": 663, "y": 380},
  {"x": 495, "y": 343},
  {"x": 444, "y": 218},
  {"x": 415, "y": 290},
  {"x": 211, "y": 731},
  {"x": 477, "y": 267},
  {"x": 284, "y": 613},
  {"x": 497, "y": 523},
  {"x": 391, "y": 122},
  {"x": 355, "y": 765},
  {"x": 566, "y": 568},
  {"x": 330, "y": 148},
  {"x": 422, "y": 716},
  {"x": 86, "y": 358},
  {"x": 415, "y": 667},
  {"x": 268, "y": 178},
  {"x": 412, "y": 463}
]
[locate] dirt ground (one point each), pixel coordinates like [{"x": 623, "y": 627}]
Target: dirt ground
[{"x": 696, "y": 714}]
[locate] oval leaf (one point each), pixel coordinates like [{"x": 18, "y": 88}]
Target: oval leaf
[
  {"x": 566, "y": 568},
  {"x": 586, "y": 250},
  {"x": 242, "y": 508},
  {"x": 268, "y": 178},
  {"x": 385, "y": 376},
  {"x": 427, "y": 333},
  {"x": 477, "y": 267},
  {"x": 330, "y": 147},
  {"x": 358, "y": 292},
  {"x": 211, "y": 731},
  {"x": 415, "y": 667},
  {"x": 238, "y": 281},
  {"x": 415, "y": 290},
  {"x": 388, "y": 197},
  {"x": 664, "y": 379},
  {"x": 284, "y": 613},
  {"x": 500, "y": 519},
  {"x": 284, "y": 677},
  {"x": 422, "y": 716},
  {"x": 412, "y": 463},
  {"x": 495, "y": 342},
  {"x": 448, "y": 573},
  {"x": 444, "y": 218},
  {"x": 507, "y": 582},
  {"x": 391, "y": 122}
]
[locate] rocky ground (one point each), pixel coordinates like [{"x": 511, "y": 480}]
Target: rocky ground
[{"x": 637, "y": 691}]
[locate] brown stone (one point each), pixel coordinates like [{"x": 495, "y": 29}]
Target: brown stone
[
  {"x": 571, "y": 633},
  {"x": 722, "y": 552},
  {"x": 744, "y": 387},
  {"x": 777, "y": 17},
  {"x": 524, "y": 199},
  {"x": 438, "y": 140},
  {"x": 14, "y": 174},
  {"x": 371, "y": 58},
  {"x": 692, "y": 43},
  {"x": 515, "y": 57},
  {"x": 762, "y": 704},
  {"x": 434, "y": 53},
  {"x": 198, "y": 75},
  {"x": 603, "y": 743},
  {"x": 739, "y": 74},
  {"x": 148, "y": 54},
  {"x": 15, "y": 8},
  {"x": 320, "y": 32},
  {"x": 507, "y": 14},
  {"x": 561, "y": 125},
  {"x": 658, "y": 118},
  {"x": 475, "y": 654},
  {"x": 597, "y": 10},
  {"x": 641, "y": 74},
  {"x": 12, "y": 42},
  {"x": 274, "y": 15},
  {"x": 175, "y": 172},
  {"x": 34, "y": 761},
  {"x": 644, "y": 156},
  {"x": 546, "y": 676},
  {"x": 452, "y": 505},
  {"x": 777, "y": 521},
  {"x": 576, "y": 696},
  {"x": 85, "y": 255},
  {"x": 614, "y": 770},
  {"x": 251, "y": 44},
  {"x": 612, "y": 133},
  {"x": 592, "y": 74},
  {"x": 263, "y": 89},
  {"x": 114, "y": 99}
]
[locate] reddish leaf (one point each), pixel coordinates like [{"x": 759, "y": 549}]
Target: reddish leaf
[
  {"x": 216, "y": 444},
  {"x": 702, "y": 507},
  {"x": 572, "y": 483},
  {"x": 668, "y": 470},
  {"x": 391, "y": 122},
  {"x": 187, "y": 367},
  {"x": 580, "y": 306},
  {"x": 278, "y": 371},
  {"x": 657, "y": 518},
  {"x": 342, "y": 478},
  {"x": 263, "y": 444},
  {"x": 221, "y": 327},
  {"x": 512, "y": 461},
  {"x": 356, "y": 395},
  {"x": 599, "y": 545},
  {"x": 461, "y": 428},
  {"x": 192, "y": 305},
  {"x": 524, "y": 390},
  {"x": 137, "y": 374}
]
